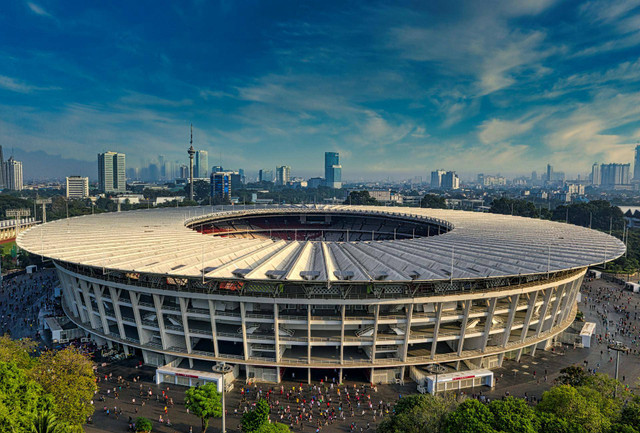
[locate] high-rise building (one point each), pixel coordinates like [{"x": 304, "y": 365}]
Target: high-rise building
[
  {"x": 221, "y": 184},
  {"x": 111, "y": 172},
  {"x": 216, "y": 169},
  {"x": 636, "y": 164},
  {"x": 77, "y": 187},
  {"x": 202, "y": 164},
  {"x": 265, "y": 175},
  {"x": 549, "y": 173},
  {"x": 332, "y": 170},
  {"x": 595, "y": 174},
  {"x": 614, "y": 174},
  {"x": 184, "y": 172},
  {"x": 436, "y": 178},
  {"x": 12, "y": 172},
  {"x": 3, "y": 181},
  {"x": 283, "y": 175},
  {"x": 450, "y": 180}
]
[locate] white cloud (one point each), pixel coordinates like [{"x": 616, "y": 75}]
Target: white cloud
[
  {"x": 497, "y": 130},
  {"x": 18, "y": 86},
  {"x": 38, "y": 10}
]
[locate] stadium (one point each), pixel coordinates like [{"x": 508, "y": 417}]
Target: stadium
[{"x": 380, "y": 293}]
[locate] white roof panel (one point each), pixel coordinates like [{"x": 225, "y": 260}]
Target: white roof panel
[{"x": 480, "y": 245}]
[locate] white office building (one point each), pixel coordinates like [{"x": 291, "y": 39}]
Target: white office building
[{"x": 77, "y": 187}]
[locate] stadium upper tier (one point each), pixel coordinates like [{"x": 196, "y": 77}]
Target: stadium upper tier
[{"x": 320, "y": 243}]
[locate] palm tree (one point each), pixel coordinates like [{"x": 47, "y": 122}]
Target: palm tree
[{"x": 45, "y": 422}]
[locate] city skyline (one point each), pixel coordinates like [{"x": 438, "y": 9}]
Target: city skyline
[{"x": 397, "y": 90}]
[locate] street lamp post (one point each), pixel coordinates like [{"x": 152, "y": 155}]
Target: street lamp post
[
  {"x": 435, "y": 369},
  {"x": 223, "y": 369},
  {"x": 618, "y": 347}
]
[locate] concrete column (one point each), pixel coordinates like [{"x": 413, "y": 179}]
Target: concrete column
[
  {"x": 488, "y": 323},
  {"x": 85, "y": 314},
  {"x": 276, "y": 331},
  {"x": 543, "y": 314},
  {"x": 309, "y": 338},
  {"x": 342, "y": 338},
  {"x": 135, "y": 297},
  {"x": 157, "y": 302},
  {"x": 309, "y": 375},
  {"x": 115, "y": 300},
  {"x": 436, "y": 329},
  {"x": 244, "y": 331},
  {"x": 70, "y": 293},
  {"x": 556, "y": 306},
  {"x": 407, "y": 333},
  {"x": 214, "y": 329},
  {"x": 463, "y": 327},
  {"x": 570, "y": 300},
  {"x": 531, "y": 306},
  {"x": 340, "y": 375},
  {"x": 512, "y": 314},
  {"x": 544, "y": 309},
  {"x": 185, "y": 325},
  {"x": 375, "y": 335},
  {"x": 97, "y": 291}
]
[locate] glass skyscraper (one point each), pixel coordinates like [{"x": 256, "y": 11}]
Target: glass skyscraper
[{"x": 332, "y": 170}]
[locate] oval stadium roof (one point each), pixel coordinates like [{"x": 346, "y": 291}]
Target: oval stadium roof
[{"x": 480, "y": 245}]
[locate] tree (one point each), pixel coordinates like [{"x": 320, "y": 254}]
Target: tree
[
  {"x": 421, "y": 413},
  {"x": 201, "y": 191},
  {"x": 470, "y": 417},
  {"x": 276, "y": 427},
  {"x": 599, "y": 214},
  {"x": 507, "y": 206},
  {"x": 204, "y": 402},
  {"x": 572, "y": 375},
  {"x": 549, "y": 423},
  {"x": 565, "y": 402},
  {"x": 143, "y": 424},
  {"x": 45, "y": 422},
  {"x": 253, "y": 420},
  {"x": 433, "y": 201},
  {"x": 68, "y": 376},
  {"x": 17, "y": 351},
  {"x": 21, "y": 398},
  {"x": 513, "y": 415},
  {"x": 359, "y": 198},
  {"x": 630, "y": 414}
]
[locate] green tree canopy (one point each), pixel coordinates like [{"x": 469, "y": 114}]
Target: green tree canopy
[
  {"x": 68, "y": 376},
  {"x": 433, "y": 201},
  {"x": 204, "y": 402},
  {"x": 143, "y": 424},
  {"x": 276, "y": 427},
  {"x": 17, "y": 351},
  {"x": 507, "y": 206},
  {"x": 256, "y": 418},
  {"x": 420, "y": 413},
  {"x": 470, "y": 417},
  {"x": 513, "y": 415},
  {"x": 567, "y": 403},
  {"x": 573, "y": 375},
  {"x": 21, "y": 399},
  {"x": 358, "y": 198}
]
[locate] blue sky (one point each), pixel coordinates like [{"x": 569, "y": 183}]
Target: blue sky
[{"x": 398, "y": 88}]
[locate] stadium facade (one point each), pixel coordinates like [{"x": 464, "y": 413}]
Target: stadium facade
[{"x": 309, "y": 289}]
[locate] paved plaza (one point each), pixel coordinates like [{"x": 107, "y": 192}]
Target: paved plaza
[{"x": 128, "y": 389}]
